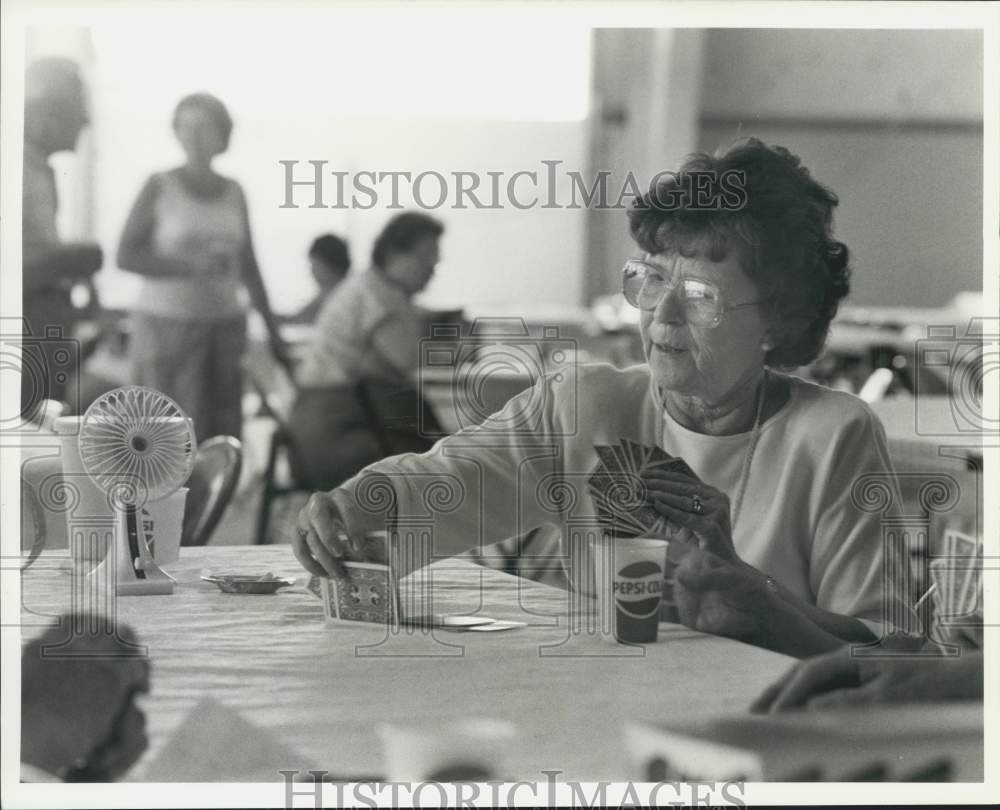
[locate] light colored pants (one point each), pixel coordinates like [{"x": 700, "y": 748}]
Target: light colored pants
[{"x": 197, "y": 364}]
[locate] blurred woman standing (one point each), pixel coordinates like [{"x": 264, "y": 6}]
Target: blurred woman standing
[{"x": 188, "y": 235}]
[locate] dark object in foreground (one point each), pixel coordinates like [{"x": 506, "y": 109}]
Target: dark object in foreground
[{"x": 79, "y": 681}]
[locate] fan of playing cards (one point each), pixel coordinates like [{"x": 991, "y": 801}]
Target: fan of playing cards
[
  {"x": 956, "y": 577},
  {"x": 617, "y": 488}
]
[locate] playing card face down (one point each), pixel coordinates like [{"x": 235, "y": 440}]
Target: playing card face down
[{"x": 368, "y": 596}]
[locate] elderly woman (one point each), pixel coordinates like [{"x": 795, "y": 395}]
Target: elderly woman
[
  {"x": 780, "y": 554},
  {"x": 368, "y": 331},
  {"x": 188, "y": 235}
]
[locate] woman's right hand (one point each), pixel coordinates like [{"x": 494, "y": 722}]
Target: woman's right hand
[{"x": 331, "y": 528}]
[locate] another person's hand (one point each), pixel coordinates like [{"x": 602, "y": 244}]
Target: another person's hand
[
  {"x": 332, "y": 528},
  {"x": 674, "y": 495},
  {"x": 69, "y": 263},
  {"x": 83, "y": 259},
  {"x": 842, "y": 678},
  {"x": 78, "y": 715}
]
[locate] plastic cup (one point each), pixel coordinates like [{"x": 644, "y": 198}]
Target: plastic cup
[{"x": 629, "y": 577}]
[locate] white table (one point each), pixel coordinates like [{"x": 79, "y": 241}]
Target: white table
[{"x": 272, "y": 659}]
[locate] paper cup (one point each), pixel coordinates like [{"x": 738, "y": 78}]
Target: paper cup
[
  {"x": 43, "y": 522},
  {"x": 162, "y": 524},
  {"x": 88, "y": 514},
  {"x": 471, "y": 750},
  {"x": 629, "y": 576}
]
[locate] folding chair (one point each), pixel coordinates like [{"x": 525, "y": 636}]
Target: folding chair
[
  {"x": 277, "y": 400},
  {"x": 210, "y": 487}
]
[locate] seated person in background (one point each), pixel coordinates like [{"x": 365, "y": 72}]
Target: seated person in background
[
  {"x": 79, "y": 721},
  {"x": 782, "y": 554},
  {"x": 329, "y": 262},
  {"x": 368, "y": 329}
]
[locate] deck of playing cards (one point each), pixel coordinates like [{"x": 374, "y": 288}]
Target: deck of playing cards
[
  {"x": 368, "y": 595},
  {"x": 617, "y": 489}
]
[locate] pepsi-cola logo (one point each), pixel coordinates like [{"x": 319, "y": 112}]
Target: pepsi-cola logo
[
  {"x": 638, "y": 588},
  {"x": 148, "y": 529}
]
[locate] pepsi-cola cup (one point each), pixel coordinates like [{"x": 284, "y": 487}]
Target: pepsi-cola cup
[{"x": 629, "y": 575}]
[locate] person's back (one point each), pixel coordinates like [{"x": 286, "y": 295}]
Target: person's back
[
  {"x": 345, "y": 347},
  {"x": 368, "y": 332}
]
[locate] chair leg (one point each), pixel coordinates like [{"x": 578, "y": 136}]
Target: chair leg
[{"x": 267, "y": 493}]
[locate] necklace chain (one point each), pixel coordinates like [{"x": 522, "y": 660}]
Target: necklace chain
[
  {"x": 751, "y": 448},
  {"x": 748, "y": 457}
]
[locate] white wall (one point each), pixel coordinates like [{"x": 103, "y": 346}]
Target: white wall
[
  {"x": 891, "y": 120},
  {"x": 646, "y": 86},
  {"x": 318, "y": 87}
]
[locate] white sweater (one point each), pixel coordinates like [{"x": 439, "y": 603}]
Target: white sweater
[{"x": 528, "y": 465}]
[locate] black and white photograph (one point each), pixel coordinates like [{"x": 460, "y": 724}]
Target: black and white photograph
[{"x": 429, "y": 404}]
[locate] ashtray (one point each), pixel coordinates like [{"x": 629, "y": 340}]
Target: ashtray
[{"x": 243, "y": 583}]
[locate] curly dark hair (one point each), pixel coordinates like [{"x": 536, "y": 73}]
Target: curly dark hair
[
  {"x": 402, "y": 233},
  {"x": 333, "y": 250},
  {"x": 781, "y": 226},
  {"x": 213, "y": 107}
]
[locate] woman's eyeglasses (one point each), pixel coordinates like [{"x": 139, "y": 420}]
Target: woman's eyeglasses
[{"x": 645, "y": 285}]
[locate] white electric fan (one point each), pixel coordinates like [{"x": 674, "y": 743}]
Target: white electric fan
[{"x": 138, "y": 446}]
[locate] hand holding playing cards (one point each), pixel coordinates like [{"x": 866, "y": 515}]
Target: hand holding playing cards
[
  {"x": 331, "y": 528},
  {"x": 841, "y": 678},
  {"x": 686, "y": 502}
]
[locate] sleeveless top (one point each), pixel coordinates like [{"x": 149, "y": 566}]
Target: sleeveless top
[{"x": 187, "y": 226}]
